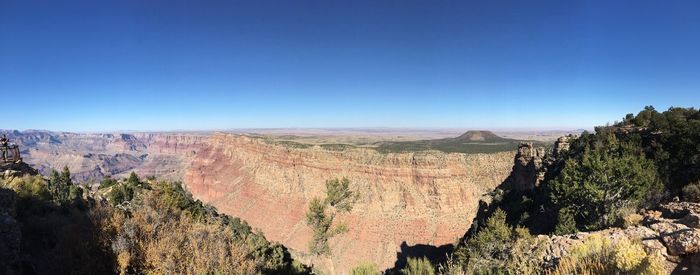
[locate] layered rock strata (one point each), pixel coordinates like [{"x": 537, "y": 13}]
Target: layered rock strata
[
  {"x": 408, "y": 198},
  {"x": 92, "y": 156}
]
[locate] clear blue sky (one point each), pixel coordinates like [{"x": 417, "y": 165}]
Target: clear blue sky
[{"x": 162, "y": 65}]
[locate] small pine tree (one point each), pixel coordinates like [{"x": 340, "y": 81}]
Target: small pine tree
[
  {"x": 106, "y": 182},
  {"x": 75, "y": 193},
  {"x": 65, "y": 176},
  {"x": 321, "y": 214},
  {"x": 133, "y": 179},
  {"x": 121, "y": 193},
  {"x": 338, "y": 194},
  {"x": 59, "y": 186}
]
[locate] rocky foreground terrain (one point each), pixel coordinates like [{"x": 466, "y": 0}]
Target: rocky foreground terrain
[{"x": 672, "y": 230}]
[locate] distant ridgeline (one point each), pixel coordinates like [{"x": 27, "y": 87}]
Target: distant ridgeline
[{"x": 469, "y": 142}]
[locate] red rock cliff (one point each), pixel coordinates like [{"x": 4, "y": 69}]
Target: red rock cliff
[{"x": 417, "y": 198}]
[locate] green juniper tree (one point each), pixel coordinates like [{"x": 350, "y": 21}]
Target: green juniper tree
[
  {"x": 321, "y": 213},
  {"x": 608, "y": 176},
  {"x": 61, "y": 187},
  {"x": 497, "y": 249}
]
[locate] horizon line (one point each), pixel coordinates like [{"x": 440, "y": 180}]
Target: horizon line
[{"x": 250, "y": 129}]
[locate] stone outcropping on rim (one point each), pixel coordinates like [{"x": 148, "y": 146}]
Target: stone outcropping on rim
[{"x": 531, "y": 163}]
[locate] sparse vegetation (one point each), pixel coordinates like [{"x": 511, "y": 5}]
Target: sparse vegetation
[
  {"x": 124, "y": 191},
  {"x": 168, "y": 221},
  {"x": 322, "y": 213},
  {"x": 287, "y": 143},
  {"x": 162, "y": 230},
  {"x": 490, "y": 144},
  {"x": 366, "y": 269},
  {"x": 497, "y": 248},
  {"x": 598, "y": 255},
  {"x": 691, "y": 192},
  {"x": 336, "y": 146},
  {"x": 418, "y": 266},
  {"x": 29, "y": 187},
  {"x": 107, "y": 182}
]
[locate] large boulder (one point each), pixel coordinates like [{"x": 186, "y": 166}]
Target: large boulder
[{"x": 678, "y": 210}]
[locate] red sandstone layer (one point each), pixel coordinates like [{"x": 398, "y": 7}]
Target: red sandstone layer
[{"x": 417, "y": 198}]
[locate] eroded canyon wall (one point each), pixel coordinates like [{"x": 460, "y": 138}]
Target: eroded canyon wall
[
  {"x": 416, "y": 198},
  {"x": 90, "y": 156},
  {"x": 427, "y": 198}
]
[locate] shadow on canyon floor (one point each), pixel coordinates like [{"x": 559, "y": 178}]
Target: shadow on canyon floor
[
  {"x": 436, "y": 255},
  {"x": 439, "y": 254}
]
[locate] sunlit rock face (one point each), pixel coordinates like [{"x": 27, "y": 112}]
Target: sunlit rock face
[
  {"x": 407, "y": 201},
  {"x": 531, "y": 163},
  {"x": 92, "y": 156},
  {"x": 416, "y": 198}
]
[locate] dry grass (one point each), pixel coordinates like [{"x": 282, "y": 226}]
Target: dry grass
[
  {"x": 157, "y": 241},
  {"x": 599, "y": 255}
]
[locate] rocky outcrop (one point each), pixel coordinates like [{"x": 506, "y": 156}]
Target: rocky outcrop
[
  {"x": 427, "y": 198},
  {"x": 562, "y": 145},
  {"x": 531, "y": 163},
  {"x": 528, "y": 170},
  {"x": 16, "y": 169},
  {"x": 672, "y": 230}
]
